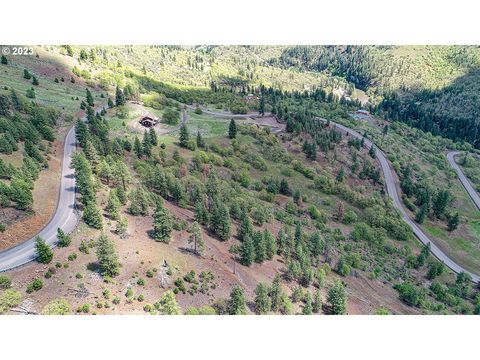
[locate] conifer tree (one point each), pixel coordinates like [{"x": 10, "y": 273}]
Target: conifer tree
[
  {"x": 162, "y": 224},
  {"x": 220, "y": 222},
  {"x": 113, "y": 205},
  {"x": 270, "y": 244},
  {"x": 245, "y": 228},
  {"x": 263, "y": 303},
  {"x": 337, "y": 298},
  {"x": 276, "y": 293},
  {"x": 92, "y": 216},
  {"x": 89, "y": 98},
  {"x": 236, "y": 305},
  {"x": 107, "y": 258},
  {"x": 168, "y": 305},
  {"x": 137, "y": 147},
  {"x": 260, "y": 247},
  {"x": 200, "y": 141},
  {"x": 119, "y": 97},
  {"x": 247, "y": 251},
  {"x": 232, "y": 129},
  {"x": 196, "y": 238},
  {"x": 43, "y": 251},
  {"x": 184, "y": 136},
  {"x": 307, "y": 308},
  {"x": 64, "y": 239},
  {"x": 317, "y": 302},
  {"x": 153, "y": 137}
]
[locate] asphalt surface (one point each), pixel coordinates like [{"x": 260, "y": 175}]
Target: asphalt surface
[
  {"x": 66, "y": 217},
  {"x": 394, "y": 195},
  {"x": 463, "y": 179}
]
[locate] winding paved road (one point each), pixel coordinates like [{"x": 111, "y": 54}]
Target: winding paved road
[
  {"x": 394, "y": 195},
  {"x": 66, "y": 217},
  {"x": 463, "y": 179}
]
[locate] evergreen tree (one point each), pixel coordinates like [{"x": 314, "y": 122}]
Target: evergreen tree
[
  {"x": 201, "y": 213},
  {"x": 122, "y": 226},
  {"x": 276, "y": 293},
  {"x": 317, "y": 302},
  {"x": 146, "y": 144},
  {"x": 440, "y": 202},
  {"x": 113, "y": 205},
  {"x": 64, "y": 239},
  {"x": 92, "y": 216},
  {"x": 107, "y": 258},
  {"x": 43, "y": 251},
  {"x": 137, "y": 147},
  {"x": 453, "y": 221},
  {"x": 308, "y": 308},
  {"x": 270, "y": 244},
  {"x": 110, "y": 103},
  {"x": 89, "y": 98},
  {"x": 35, "y": 81},
  {"x": 421, "y": 213},
  {"x": 284, "y": 188},
  {"x": 26, "y": 74},
  {"x": 337, "y": 298},
  {"x": 4, "y": 60},
  {"x": 341, "y": 175},
  {"x": 196, "y": 238},
  {"x": 119, "y": 97},
  {"x": 232, "y": 129},
  {"x": 220, "y": 222},
  {"x": 184, "y": 136},
  {"x": 247, "y": 251},
  {"x": 245, "y": 228},
  {"x": 263, "y": 303},
  {"x": 260, "y": 247},
  {"x": 200, "y": 141},
  {"x": 168, "y": 305},
  {"x": 236, "y": 305},
  {"x": 153, "y": 137},
  {"x": 162, "y": 224},
  {"x": 261, "y": 106}
]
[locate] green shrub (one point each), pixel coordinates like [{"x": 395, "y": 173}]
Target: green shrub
[{"x": 35, "y": 285}]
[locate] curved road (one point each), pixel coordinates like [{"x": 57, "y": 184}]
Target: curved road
[
  {"x": 394, "y": 195},
  {"x": 65, "y": 216},
  {"x": 463, "y": 179}
]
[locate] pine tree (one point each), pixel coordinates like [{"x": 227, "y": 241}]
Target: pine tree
[
  {"x": 89, "y": 98},
  {"x": 43, "y": 251},
  {"x": 247, "y": 251},
  {"x": 236, "y": 305},
  {"x": 317, "y": 302},
  {"x": 113, "y": 205},
  {"x": 337, "y": 298},
  {"x": 137, "y": 147},
  {"x": 153, "y": 137},
  {"x": 64, "y": 239},
  {"x": 201, "y": 213},
  {"x": 340, "y": 213},
  {"x": 196, "y": 238},
  {"x": 26, "y": 74},
  {"x": 372, "y": 152},
  {"x": 232, "y": 129},
  {"x": 119, "y": 97},
  {"x": 453, "y": 221},
  {"x": 263, "y": 303},
  {"x": 421, "y": 213},
  {"x": 200, "y": 141},
  {"x": 162, "y": 224},
  {"x": 110, "y": 103},
  {"x": 35, "y": 81},
  {"x": 92, "y": 216},
  {"x": 245, "y": 228},
  {"x": 122, "y": 226},
  {"x": 307, "y": 308},
  {"x": 270, "y": 243},
  {"x": 276, "y": 293},
  {"x": 184, "y": 136},
  {"x": 168, "y": 305},
  {"x": 284, "y": 188},
  {"x": 107, "y": 258},
  {"x": 260, "y": 247},
  {"x": 341, "y": 175},
  {"x": 4, "y": 60},
  {"x": 261, "y": 106},
  {"x": 220, "y": 222},
  {"x": 146, "y": 144}
]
